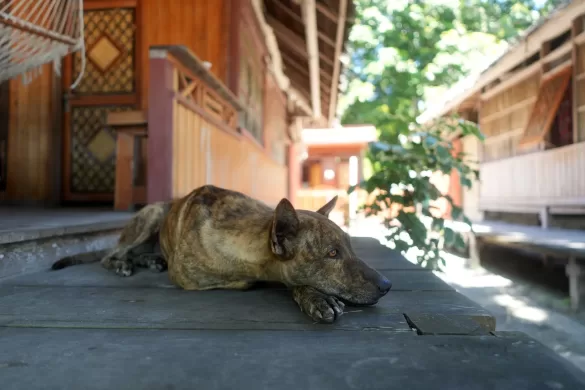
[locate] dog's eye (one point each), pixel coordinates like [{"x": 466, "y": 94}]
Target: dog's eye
[{"x": 332, "y": 253}]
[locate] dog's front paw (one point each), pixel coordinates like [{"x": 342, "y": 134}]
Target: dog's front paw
[
  {"x": 320, "y": 307},
  {"x": 124, "y": 268}
]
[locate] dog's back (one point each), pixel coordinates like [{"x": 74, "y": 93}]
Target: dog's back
[{"x": 212, "y": 227}]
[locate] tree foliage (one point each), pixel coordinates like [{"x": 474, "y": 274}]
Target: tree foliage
[{"x": 402, "y": 52}]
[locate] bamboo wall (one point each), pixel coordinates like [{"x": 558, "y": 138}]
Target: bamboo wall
[
  {"x": 554, "y": 177},
  {"x": 30, "y": 153},
  {"x": 207, "y": 154},
  {"x": 502, "y": 118}
]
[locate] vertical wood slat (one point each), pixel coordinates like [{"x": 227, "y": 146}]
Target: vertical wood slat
[
  {"x": 30, "y": 147},
  {"x": 553, "y": 176}
]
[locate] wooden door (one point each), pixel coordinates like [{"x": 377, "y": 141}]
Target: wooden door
[{"x": 109, "y": 83}]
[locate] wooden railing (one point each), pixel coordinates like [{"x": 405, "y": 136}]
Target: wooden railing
[
  {"x": 551, "y": 178},
  {"x": 193, "y": 137}
]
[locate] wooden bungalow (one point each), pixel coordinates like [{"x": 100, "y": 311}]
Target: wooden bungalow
[
  {"x": 333, "y": 160},
  {"x": 174, "y": 94},
  {"x": 530, "y": 105}
]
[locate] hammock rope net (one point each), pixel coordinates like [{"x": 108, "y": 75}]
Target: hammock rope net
[{"x": 37, "y": 32}]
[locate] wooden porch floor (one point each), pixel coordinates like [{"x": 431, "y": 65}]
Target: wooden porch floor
[
  {"x": 23, "y": 224},
  {"x": 567, "y": 241},
  {"x": 84, "y": 327}
]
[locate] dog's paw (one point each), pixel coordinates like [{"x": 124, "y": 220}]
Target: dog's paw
[
  {"x": 320, "y": 307},
  {"x": 124, "y": 269},
  {"x": 157, "y": 265}
]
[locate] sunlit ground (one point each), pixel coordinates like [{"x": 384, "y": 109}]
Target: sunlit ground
[{"x": 517, "y": 305}]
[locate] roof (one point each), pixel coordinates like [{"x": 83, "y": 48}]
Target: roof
[
  {"x": 285, "y": 17},
  {"x": 518, "y": 50}
]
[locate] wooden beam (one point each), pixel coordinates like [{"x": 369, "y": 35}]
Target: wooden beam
[
  {"x": 299, "y": 19},
  {"x": 301, "y": 67},
  {"x": 310, "y": 18},
  {"x": 292, "y": 40},
  {"x": 298, "y": 77},
  {"x": 326, "y": 11},
  {"x": 512, "y": 80},
  {"x": 337, "y": 63}
]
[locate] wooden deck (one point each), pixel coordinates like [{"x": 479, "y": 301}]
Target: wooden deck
[
  {"x": 86, "y": 328},
  {"x": 557, "y": 241}
]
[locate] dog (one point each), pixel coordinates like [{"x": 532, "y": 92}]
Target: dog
[{"x": 215, "y": 238}]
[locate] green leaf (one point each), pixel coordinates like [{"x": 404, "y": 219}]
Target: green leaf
[
  {"x": 456, "y": 213},
  {"x": 449, "y": 236}
]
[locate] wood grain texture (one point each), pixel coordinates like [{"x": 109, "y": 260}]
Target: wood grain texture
[
  {"x": 29, "y": 158},
  {"x": 197, "y": 24}
]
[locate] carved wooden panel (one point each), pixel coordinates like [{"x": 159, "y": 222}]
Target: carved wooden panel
[
  {"x": 110, "y": 52},
  {"x": 93, "y": 148},
  {"x": 545, "y": 108}
]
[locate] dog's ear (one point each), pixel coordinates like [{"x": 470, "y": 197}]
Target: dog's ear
[
  {"x": 325, "y": 210},
  {"x": 285, "y": 225}
]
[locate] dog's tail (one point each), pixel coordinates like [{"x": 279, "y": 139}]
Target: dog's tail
[{"x": 80, "y": 258}]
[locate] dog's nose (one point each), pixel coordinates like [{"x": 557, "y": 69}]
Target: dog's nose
[{"x": 384, "y": 286}]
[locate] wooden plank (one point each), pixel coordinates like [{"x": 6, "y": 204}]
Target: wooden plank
[
  {"x": 123, "y": 196},
  {"x": 292, "y": 40},
  {"x": 29, "y": 140},
  {"x": 511, "y": 81},
  {"x": 442, "y": 324},
  {"x": 337, "y": 66},
  {"x": 127, "y": 118}
]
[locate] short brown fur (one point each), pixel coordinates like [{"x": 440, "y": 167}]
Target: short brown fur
[{"x": 214, "y": 238}]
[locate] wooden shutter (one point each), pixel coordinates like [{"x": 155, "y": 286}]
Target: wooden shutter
[
  {"x": 4, "y": 123},
  {"x": 550, "y": 95}
]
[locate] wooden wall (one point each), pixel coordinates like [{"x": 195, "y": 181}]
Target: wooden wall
[
  {"x": 31, "y": 131},
  {"x": 201, "y": 25},
  {"x": 502, "y": 118},
  {"x": 275, "y": 121},
  {"x": 579, "y": 92}
]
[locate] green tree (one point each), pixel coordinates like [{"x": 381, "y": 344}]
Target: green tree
[{"x": 400, "y": 51}]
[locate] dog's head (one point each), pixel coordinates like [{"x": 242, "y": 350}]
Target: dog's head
[{"x": 313, "y": 251}]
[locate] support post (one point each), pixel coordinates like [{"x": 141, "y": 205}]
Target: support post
[
  {"x": 474, "y": 260},
  {"x": 576, "y": 274},
  {"x": 160, "y": 128},
  {"x": 544, "y": 217}
]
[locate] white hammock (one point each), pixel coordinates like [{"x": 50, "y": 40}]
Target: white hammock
[{"x": 37, "y": 32}]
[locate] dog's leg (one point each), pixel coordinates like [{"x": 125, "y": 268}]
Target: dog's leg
[
  {"x": 138, "y": 231},
  {"x": 153, "y": 261},
  {"x": 320, "y": 307}
]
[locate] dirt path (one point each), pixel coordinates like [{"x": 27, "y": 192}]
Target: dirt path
[{"x": 521, "y": 306}]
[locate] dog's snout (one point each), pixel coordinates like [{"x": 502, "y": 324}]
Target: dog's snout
[{"x": 384, "y": 285}]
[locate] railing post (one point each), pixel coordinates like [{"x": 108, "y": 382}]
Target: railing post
[{"x": 160, "y": 132}]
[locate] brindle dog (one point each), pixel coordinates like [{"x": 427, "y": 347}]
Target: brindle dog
[{"x": 215, "y": 238}]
